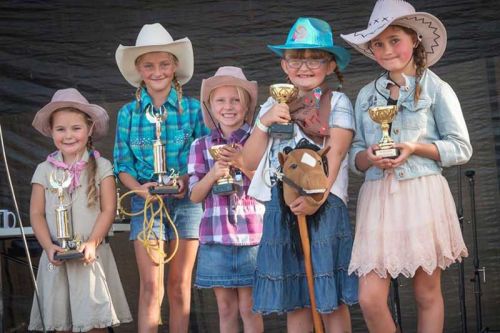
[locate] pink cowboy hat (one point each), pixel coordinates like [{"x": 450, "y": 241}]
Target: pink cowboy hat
[{"x": 72, "y": 98}]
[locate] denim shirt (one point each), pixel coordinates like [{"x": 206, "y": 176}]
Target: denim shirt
[{"x": 435, "y": 118}]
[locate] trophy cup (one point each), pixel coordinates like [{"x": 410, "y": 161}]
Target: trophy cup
[
  {"x": 225, "y": 185},
  {"x": 160, "y": 169},
  {"x": 283, "y": 93},
  {"x": 384, "y": 115},
  {"x": 59, "y": 181}
]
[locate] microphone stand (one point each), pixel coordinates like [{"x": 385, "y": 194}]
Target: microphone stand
[
  {"x": 477, "y": 271},
  {"x": 461, "y": 266}
]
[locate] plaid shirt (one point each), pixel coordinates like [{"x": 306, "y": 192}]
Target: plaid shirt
[
  {"x": 229, "y": 220},
  {"x": 133, "y": 151}
]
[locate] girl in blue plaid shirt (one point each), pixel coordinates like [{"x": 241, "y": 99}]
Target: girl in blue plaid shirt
[{"x": 158, "y": 66}]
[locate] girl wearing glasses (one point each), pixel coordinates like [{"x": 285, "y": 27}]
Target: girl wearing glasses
[{"x": 323, "y": 117}]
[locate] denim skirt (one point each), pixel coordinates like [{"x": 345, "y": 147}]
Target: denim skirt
[
  {"x": 225, "y": 266},
  {"x": 280, "y": 280}
]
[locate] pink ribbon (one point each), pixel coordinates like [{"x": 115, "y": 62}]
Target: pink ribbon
[{"x": 74, "y": 169}]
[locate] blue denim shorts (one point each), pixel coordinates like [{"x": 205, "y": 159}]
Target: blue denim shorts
[
  {"x": 185, "y": 215},
  {"x": 225, "y": 266}
]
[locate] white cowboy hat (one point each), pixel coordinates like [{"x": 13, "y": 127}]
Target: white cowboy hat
[
  {"x": 228, "y": 76},
  {"x": 155, "y": 38},
  {"x": 71, "y": 98},
  {"x": 429, "y": 29}
]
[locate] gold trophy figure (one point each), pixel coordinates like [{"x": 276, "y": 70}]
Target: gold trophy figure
[
  {"x": 59, "y": 181},
  {"x": 160, "y": 168},
  {"x": 225, "y": 185},
  {"x": 283, "y": 93},
  {"x": 384, "y": 115}
]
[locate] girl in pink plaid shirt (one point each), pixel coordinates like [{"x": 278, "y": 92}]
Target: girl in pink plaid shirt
[{"x": 231, "y": 226}]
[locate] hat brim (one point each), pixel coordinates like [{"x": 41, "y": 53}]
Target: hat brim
[
  {"x": 126, "y": 56},
  {"x": 432, "y": 30},
  {"x": 342, "y": 56},
  {"x": 99, "y": 116},
  {"x": 208, "y": 85}
]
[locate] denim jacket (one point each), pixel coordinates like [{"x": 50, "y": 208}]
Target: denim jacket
[{"x": 435, "y": 118}]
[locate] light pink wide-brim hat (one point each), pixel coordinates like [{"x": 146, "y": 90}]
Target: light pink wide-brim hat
[
  {"x": 72, "y": 98},
  {"x": 155, "y": 38},
  {"x": 228, "y": 76},
  {"x": 397, "y": 12}
]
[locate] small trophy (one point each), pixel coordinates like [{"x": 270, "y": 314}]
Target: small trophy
[
  {"x": 384, "y": 115},
  {"x": 59, "y": 181},
  {"x": 160, "y": 170},
  {"x": 225, "y": 185},
  {"x": 283, "y": 93}
]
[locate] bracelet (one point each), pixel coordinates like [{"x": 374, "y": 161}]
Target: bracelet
[{"x": 261, "y": 126}]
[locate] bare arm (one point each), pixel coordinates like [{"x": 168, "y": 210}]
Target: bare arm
[
  {"x": 132, "y": 184},
  {"x": 256, "y": 145},
  {"x": 339, "y": 141},
  {"x": 108, "y": 210}
]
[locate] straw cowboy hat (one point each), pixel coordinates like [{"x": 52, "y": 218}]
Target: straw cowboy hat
[
  {"x": 228, "y": 76},
  {"x": 313, "y": 33},
  {"x": 71, "y": 98},
  {"x": 155, "y": 38},
  {"x": 430, "y": 31}
]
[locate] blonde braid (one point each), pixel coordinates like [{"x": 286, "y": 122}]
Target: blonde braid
[
  {"x": 340, "y": 77},
  {"x": 92, "y": 193},
  {"x": 178, "y": 87},
  {"x": 138, "y": 95}
]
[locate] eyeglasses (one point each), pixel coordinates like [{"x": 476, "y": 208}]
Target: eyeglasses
[{"x": 310, "y": 63}]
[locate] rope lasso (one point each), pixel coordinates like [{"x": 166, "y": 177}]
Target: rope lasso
[{"x": 147, "y": 235}]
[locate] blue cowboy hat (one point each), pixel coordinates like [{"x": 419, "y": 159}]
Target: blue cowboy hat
[{"x": 313, "y": 33}]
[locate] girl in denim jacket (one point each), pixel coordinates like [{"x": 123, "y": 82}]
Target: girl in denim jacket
[{"x": 406, "y": 218}]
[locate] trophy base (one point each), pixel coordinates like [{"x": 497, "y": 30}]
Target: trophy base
[
  {"x": 68, "y": 255},
  {"x": 164, "y": 190},
  {"x": 281, "y": 131},
  {"x": 224, "y": 189},
  {"x": 387, "y": 153}
]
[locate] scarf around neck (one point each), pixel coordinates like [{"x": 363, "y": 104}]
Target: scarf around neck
[{"x": 74, "y": 169}]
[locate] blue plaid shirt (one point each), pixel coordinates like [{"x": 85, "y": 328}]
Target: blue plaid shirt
[{"x": 133, "y": 151}]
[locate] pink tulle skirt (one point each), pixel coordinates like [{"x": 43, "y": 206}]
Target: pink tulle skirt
[{"x": 404, "y": 225}]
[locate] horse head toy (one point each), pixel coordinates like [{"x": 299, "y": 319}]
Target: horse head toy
[{"x": 305, "y": 173}]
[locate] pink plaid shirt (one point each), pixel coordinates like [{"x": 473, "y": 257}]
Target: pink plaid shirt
[{"x": 229, "y": 220}]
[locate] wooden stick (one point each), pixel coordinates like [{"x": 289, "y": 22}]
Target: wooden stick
[{"x": 306, "y": 247}]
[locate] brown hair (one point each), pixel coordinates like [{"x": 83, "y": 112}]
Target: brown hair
[
  {"x": 92, "y": 192},
  {"x": 175, "y": 82},
  {"x": 315, "y": 54}
]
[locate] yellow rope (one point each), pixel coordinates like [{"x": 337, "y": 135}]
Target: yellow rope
[{"x": 147, "y": 235}]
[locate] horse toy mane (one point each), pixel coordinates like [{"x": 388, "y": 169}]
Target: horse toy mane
[{"x": 304, "y": 172}]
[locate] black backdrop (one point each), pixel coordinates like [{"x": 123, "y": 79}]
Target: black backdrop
[{"x": 48, "y": 45}]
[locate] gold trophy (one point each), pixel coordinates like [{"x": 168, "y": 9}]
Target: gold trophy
[
  {"x": 160, "y": 169},
  {"x": 225, "y": 185},
  {"x": 384, "y": 115},
  {"x": 59, "y": 181},
  {"x": 283, "y": 93}
]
